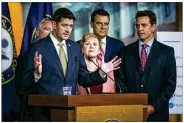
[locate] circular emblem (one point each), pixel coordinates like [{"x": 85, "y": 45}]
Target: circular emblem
[
  {"x": 171, "y": 105},
  {"x": 7, "y": 50},
  {"x": 9, "y": 55}
]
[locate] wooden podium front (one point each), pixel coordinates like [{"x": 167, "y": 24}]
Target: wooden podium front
[{"x": 96, "y": 107}]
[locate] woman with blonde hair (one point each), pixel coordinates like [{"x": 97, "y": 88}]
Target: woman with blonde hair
[{"x": 91, "y": 45}]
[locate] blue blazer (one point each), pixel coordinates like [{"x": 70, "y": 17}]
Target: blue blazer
[
  {"x": 113, "y": 48},
  {"x": 53, "y": 79}
]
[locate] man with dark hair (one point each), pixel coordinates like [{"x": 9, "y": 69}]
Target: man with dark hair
[
  {"x": 110, "y": 47},
  {"x": 56, "y": 61},
  {"x": 149, "y": 66}
]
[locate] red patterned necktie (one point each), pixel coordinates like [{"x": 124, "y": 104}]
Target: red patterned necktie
[
  {"x": 143, "y": 56},
  {"x": 98, "y": 88}
]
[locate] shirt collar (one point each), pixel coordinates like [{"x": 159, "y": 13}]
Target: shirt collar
[
  {"x": 149, "y": 42},
  {"x": 55, "y": 41},
  {"x": 104, "y": 40}
]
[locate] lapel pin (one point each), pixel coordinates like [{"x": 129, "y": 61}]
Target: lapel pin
[{"x": 69, "y": 45}]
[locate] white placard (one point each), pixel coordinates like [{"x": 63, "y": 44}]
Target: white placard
[{"x": 174, "y": 39}]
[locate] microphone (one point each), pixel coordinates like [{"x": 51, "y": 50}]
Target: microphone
[
  {"x": 108, "y": 76},
  {"x": 76, "y": 59}
]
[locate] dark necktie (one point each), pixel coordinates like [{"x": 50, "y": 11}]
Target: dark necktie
[{"x": 143, "y": 56}]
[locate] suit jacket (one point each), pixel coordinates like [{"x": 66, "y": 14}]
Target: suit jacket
[
  {"x": 53, "y": 79},
  {"x": 113, "y": 48},
  {"x": 25, "y": 110},
  {"x": 158, "y": 79}
]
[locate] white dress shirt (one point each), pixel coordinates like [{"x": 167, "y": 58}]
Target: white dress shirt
[
  {"x": 104, "y": 44},
  {"x": 55, "y": 42}
]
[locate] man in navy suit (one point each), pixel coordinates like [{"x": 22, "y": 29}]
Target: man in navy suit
[
  {"x": 100, "y": 21},
  {"x": 56, "y": 61},
  {"x": 149, "y": 66},
  {"x": 42, "y": 30}
]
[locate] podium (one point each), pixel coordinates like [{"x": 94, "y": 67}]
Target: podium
[{"x": 78, "y": 107}]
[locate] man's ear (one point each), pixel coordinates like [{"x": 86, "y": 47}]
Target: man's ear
[
  {"x": 154, "y": 27},
  {"x": 37, "y": 32},
  {"x": 54, "y": 25},
  {"x": 91, "y": 23}
]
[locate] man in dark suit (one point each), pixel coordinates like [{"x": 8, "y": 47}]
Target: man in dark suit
[
  {"x": 100, "y": 20},
  {"x": 56, "y": 61},
  {"x": 149, "y": 66},
  {"x": 42, "y": 30}
]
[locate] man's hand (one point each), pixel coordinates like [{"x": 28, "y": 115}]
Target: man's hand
[
  {"x": 150, "y": 110},
  {"x": 110, "y": 66},
  {"x": 38, "y": 64}
]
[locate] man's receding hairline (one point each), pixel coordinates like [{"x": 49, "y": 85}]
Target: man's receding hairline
[{"x": 43, "y": 22}]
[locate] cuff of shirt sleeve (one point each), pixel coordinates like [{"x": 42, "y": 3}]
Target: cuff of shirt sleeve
[
  {"x": 102, "y": 75},
  {"x": 37, "y": 77}
]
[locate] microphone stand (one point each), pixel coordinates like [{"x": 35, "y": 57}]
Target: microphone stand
[{"x": 108, "y": 76}]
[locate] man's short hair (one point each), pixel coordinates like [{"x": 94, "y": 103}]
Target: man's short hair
[
  {"x": 39, "y": 27},
  {"x": 62, "y": 13},
  {"x": 150, "y": 14},
  {"x": 99, "y": 12}
]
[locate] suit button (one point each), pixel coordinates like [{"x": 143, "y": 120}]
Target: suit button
[{"x": 142, "y": 86}]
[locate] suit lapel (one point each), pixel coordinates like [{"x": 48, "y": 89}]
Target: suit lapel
[
  {"x": 69, "y": 53},
  {"x": 54, "y": 53},
  {"x": 108, "y": 50},
  {"x": 137, "y": 58},
  {"x": 154, "y": 52}
]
